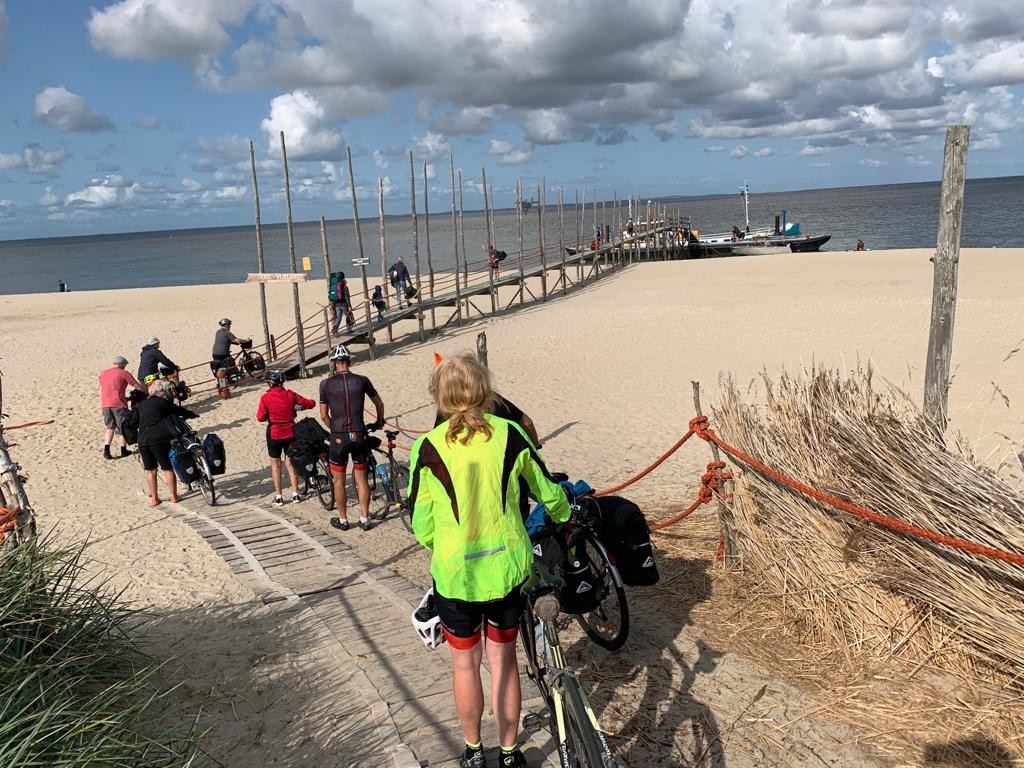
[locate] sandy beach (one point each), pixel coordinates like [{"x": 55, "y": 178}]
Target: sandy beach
[{"x": 604, "y": 372}]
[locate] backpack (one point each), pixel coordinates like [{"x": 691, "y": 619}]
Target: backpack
[
  {"x": 336, "y": 288},
  {"x": 628, "y": 539},
  {"x": 394, "y": 276},
  {"x": 130, "y": 427},
  {"x": 213, "y": 448}
]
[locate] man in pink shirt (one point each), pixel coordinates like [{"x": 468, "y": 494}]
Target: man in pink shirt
[{"x": 113, "y": 382}]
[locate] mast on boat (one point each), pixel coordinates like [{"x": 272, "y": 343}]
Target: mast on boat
[{"x": 745, "y": 194}]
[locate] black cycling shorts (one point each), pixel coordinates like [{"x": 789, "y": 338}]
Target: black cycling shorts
[
  {"x": 276, "y": 447},
  {"x": 346, "y": 444},
  {"x": 462, "y": 621},
  {"x": 156, "y": 455}
]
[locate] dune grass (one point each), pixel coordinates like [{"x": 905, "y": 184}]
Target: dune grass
[{"x": 75, "y": 689}]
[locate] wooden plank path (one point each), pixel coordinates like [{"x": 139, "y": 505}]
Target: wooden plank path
[{"x": 384, "y": 682}]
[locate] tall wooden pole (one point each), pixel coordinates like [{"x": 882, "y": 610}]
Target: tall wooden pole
[
  {"x": 540, "y": 230},
  {"x": 519, "y": 230},
  {"x": 462, "y": 237},
  {"x": 426, "y": 232},
  {"x": 300, "y": 333},
  {"x": 579, "y": 255},
  {"x": 561, "y": 235},
  {"x": 416, "y": 244},
  {"x": 481, "y": 348},
  {"x": 383, "y": 243},
  {"x": 261, "y": 265},
  {"x": 946, "y": 260},
  {"x": 455, "y": 242},
  {"x": 490, "y": 241},
  {"x": 359, "y": 246},
  {"x": 327, "y": 265}
]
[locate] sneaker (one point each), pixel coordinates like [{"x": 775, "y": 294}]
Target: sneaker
[
  {"x": 473, "y": 758},
  {"x": 341, "y": 525},
  {"x": 365, "y": 524},
  {"x": 513, "y": 759},
  {"x": 296, "y": 498},
  {"x": 106, "y": 452},
  {"x": 278, "y": 501},
  {"x": 125, "y": 452}
]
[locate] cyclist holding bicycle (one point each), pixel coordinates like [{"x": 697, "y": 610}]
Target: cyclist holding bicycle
[
  {"x": 277, "y": 407},
  {"x": 465, "y": 508},
  {"x": 342, "y": 398},
  {"x": 221, "y": 358}
]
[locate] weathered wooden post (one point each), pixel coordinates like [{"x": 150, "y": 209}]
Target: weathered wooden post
[
  {"x": 455, "y": 242},
  {"x": 416, "y": 244},
  {"x": 561, "y": 235},
  {"x": 12, "y": 492},
  {"x": 540, "y": 228},
  {"x": 362, "y": 258},
  {"x": 300, "y": 332},
  {"x": 519, "y": 231},
  {"x": 261, "y": 266},
  {"x": 384, "y": 246},
  {"x": 481, "y": 348},
  {"x": 327, "y": 333},
  {"x": 462, "y": 240},
  {"x": 724, "y": 513},
  {"x": 327, "y": 258},
  {"x": 579, "y": 253},
  {"x": 490, "y": 241},
  {"x": 946, "y": 260},
  {"x": 430, "y": 260}
]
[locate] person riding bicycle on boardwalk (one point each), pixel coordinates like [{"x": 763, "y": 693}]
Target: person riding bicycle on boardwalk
[
  {"x": 156, "y": 430},
  {"x": 342, "y": 399},
  {"x": 220, "y": 357},
  {"x": 151, "y": 359},
  {"x": 113, "y": 383},
  {"x": 277, "y": 407},
  {"x": 465, "y": 507}
]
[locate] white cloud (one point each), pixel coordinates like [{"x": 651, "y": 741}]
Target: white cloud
[
  {"x": 508, "y": 154},
  {"x": 68, "y": 112},
  {"x": 191, "y": 185},
  {"x": 49, "y": 198},
  {"x": 811, "y": 150},
  {"x": 380, "y": 160},
  {"x": 739, "y": 152},
  {"x": 150, "y": 122},
  {"x": 34, "y": 159},
  {"x": 5, "y": 43},
  {"x": 430, "y": 146},
  {"x": 918, "y": 160},
  {"x": 303, "y": 120},
  {"x": 715, "y": 148},
  {"x": 93, "y": 196},
  {"x": 982, "y": 142},
  {"x": 764, "y": 152},
  {"x": 151, "y": 29},
  {"x": 870, "y": 162}
]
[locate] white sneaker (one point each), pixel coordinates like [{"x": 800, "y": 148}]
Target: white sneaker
[
  {"x": 296, "y": 498},
  {"x": 278, "y": 501}
]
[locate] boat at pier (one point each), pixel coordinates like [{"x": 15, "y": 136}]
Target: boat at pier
[{"x": 783, "y": 236}]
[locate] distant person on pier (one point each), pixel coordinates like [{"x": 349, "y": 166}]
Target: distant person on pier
[
  {"x": 342, "y": 304},
  {"x": 736, "y": 234},
  {"x": 378, "y": 301},
  {"x": 629, "y": 227},
  {"x": 399, "y": 276},
  {"x": 860, "y": 245},
  {"x": 61, "y": 287}
]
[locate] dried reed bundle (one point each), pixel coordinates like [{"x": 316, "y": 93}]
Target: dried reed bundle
[{"x": 856, "y": 587}]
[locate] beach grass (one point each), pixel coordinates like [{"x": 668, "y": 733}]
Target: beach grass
[{"x": 75, "y": 688}]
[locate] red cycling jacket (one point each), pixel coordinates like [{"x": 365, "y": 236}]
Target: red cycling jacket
[{"x": 278, "y": 407}]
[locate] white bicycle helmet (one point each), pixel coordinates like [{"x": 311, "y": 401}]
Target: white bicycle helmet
[
  {"x": 426, "y": 622},
  {"x": 224, "y": 322},
  {"x": 340, "y": 352}
]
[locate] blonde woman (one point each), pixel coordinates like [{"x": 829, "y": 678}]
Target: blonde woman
[
  {"x": 156, "y": 431},
  {"x": 464, "y": 496}
]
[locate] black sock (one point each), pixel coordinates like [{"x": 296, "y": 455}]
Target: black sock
[{"x": 474, "y": 749}]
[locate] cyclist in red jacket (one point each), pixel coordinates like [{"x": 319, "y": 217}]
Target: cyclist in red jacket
[{"x": 277, "y": 407}]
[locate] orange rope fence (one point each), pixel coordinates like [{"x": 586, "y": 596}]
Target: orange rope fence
[{"x": 28, "y": 424}]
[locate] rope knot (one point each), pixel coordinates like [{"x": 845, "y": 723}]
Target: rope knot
[
  {"x": 711, "y": 482},
  {"x": 701, "y": 427}
]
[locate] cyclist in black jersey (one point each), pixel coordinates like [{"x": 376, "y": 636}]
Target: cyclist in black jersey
[{"x": 342, "y": 398}]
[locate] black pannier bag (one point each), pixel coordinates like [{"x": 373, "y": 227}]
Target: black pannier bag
[
  {"x": 302, "y": 458},
  {"x": 216, "y": 456},
  {"x": 184, "y": 463},
  {"x": 310, "y": 432},
  {"x": 628, "y": 539},
  {"x": 579, "y": 592},
  {"x": 130, "y": 427}
]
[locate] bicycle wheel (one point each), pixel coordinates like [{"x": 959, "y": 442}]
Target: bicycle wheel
[
  {"x": 205, "y": 479},
  {"x": 399, "y": 482},
  {"x": 254, "y": 364},
  {"x": 323, "y": 484},
  {"x": 588, "y": 746},
  {"x": 608, "y": 624}
]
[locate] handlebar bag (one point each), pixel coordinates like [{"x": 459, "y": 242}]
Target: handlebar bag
[
  {"x": 216, "y": 456},
  {"x": 183, "y": 463},
  {"x": 625, "y": 533}
]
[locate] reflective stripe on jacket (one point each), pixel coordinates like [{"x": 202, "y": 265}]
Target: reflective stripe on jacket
[{"x": 465, "y": 507}]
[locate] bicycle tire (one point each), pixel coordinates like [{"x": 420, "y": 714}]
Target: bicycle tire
[
  {"x": 323, "y": 484},
  {"x": 400, "y": 481},
  {"x": 205, "y": 479},
  {"x": 254, "y": 364},
  {"x": 590, "y": 747},
  {"x": 608, "y": 624}
]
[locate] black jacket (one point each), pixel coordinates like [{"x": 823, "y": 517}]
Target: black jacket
[
  {"x": 156, "y": 420},
  {"x": 150, "y": 359},
  {"x": 401, "y": 269}
]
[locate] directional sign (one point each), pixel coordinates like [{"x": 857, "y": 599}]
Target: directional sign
[
  {"x": 360, "y": 262},
  {"x": 277, "y": 277}
]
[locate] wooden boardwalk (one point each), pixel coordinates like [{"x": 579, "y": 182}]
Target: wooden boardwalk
[{"x": 385, "y": 681}]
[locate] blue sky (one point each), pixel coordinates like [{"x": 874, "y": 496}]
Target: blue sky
[{"x": 136, "y": 114}]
